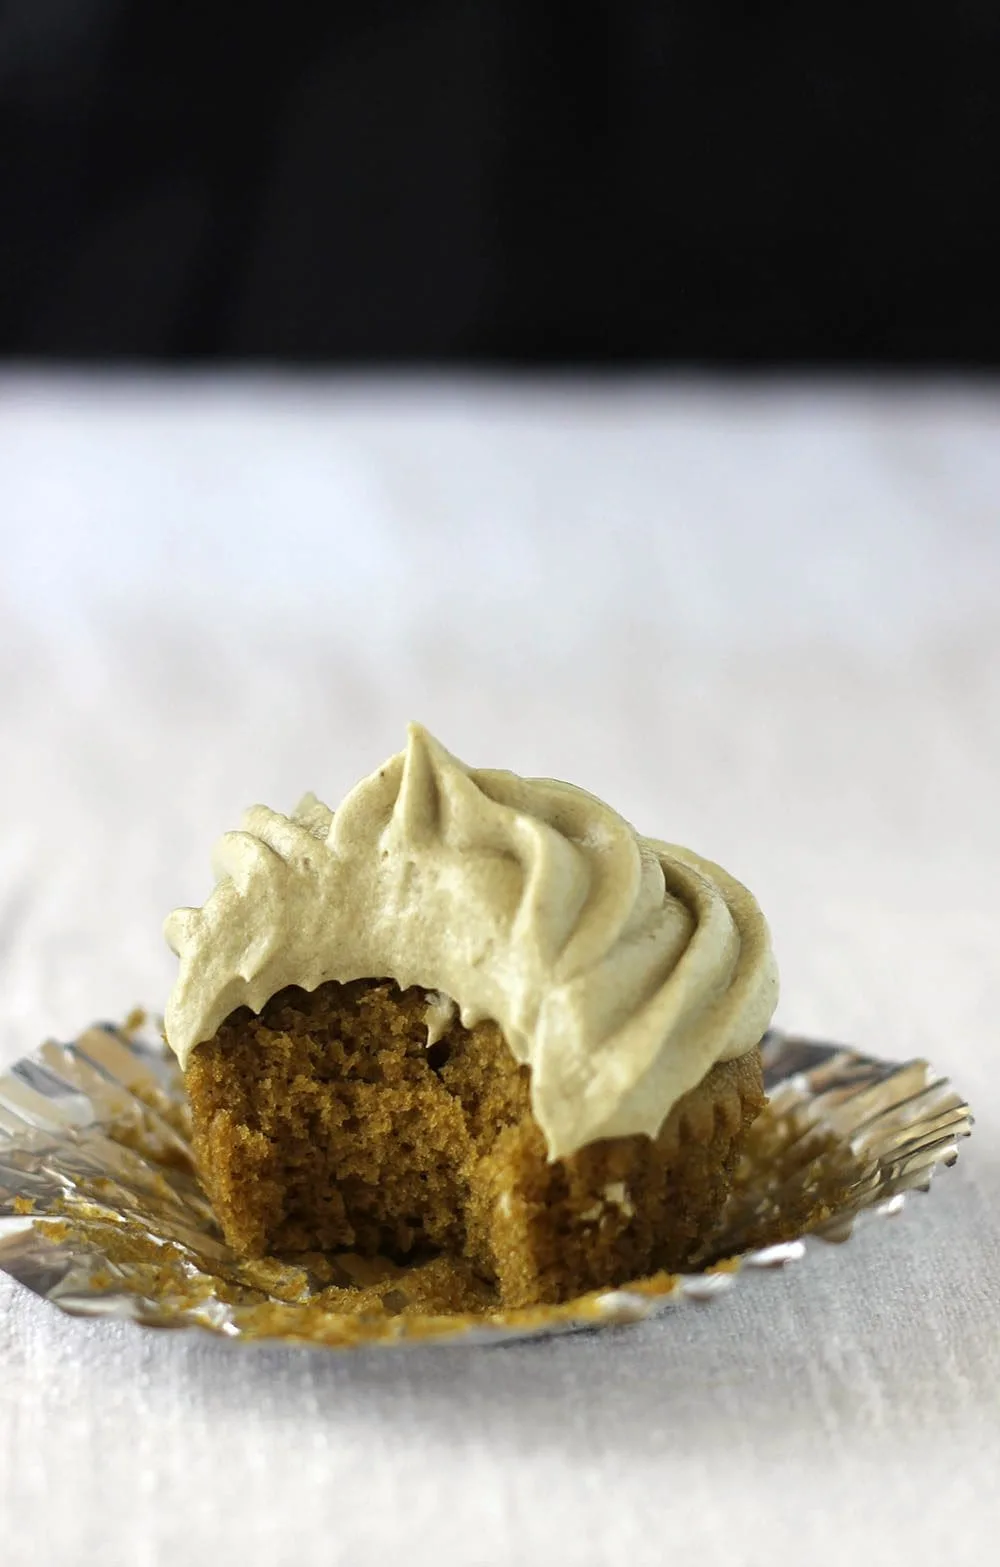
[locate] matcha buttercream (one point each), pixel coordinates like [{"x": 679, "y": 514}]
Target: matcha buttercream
[{"x": 619, "y": 968}]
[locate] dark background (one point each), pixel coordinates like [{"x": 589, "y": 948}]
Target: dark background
[{"x": 501, "y": 180}]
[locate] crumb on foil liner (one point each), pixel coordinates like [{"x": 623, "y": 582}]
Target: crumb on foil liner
[{"x": 101, "y": 1212}]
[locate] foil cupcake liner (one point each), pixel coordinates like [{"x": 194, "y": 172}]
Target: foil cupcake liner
[{"x": 101, "y": 1212}]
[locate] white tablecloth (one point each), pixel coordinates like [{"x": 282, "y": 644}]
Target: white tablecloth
[{"x": 762, "y": 621}]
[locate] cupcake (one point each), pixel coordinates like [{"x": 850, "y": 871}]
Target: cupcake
[{"x": 471, "y": 1016}]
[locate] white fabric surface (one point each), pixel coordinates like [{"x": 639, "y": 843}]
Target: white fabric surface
[{"x": 761, "y": 621}]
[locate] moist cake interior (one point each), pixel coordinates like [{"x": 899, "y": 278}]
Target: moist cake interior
[{"x": 328, "y": 1124}]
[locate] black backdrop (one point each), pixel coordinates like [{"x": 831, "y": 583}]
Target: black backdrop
[{"x": 508, "y": 180}]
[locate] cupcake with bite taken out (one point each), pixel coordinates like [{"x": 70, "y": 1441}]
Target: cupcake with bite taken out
[{"x": 474, "y": 1016}]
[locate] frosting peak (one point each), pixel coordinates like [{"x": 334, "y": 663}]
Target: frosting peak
[{"x": 619, "y": 968}]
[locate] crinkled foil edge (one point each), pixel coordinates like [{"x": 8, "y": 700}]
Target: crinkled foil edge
[{"x": 101, "y": 1214}]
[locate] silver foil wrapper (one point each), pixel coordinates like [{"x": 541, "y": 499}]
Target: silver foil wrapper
[{"x": 101, "y": 1212}]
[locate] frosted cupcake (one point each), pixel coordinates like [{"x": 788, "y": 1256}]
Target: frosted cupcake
[{"x": 475, "y": 1016}]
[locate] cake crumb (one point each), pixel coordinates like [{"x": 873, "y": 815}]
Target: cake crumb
[{"x": 325, "y": 1124}]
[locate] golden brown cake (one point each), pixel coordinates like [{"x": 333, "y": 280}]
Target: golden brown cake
[{"x": 474, "y": 1017}]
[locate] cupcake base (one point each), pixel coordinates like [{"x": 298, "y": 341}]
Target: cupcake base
[{"x": 327, "y": 1124}]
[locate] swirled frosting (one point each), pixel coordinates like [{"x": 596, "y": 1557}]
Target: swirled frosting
[{"x": 619, "y": 968}]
